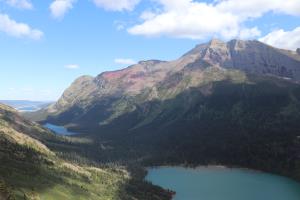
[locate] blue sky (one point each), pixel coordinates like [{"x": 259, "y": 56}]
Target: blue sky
[{"x": 46, "y": 44}]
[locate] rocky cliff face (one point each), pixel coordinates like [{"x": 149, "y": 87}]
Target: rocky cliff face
[{"x": 248, "y": 56}]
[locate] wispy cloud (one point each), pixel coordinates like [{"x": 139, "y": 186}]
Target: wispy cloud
[
  {"x": 59, "y": 8},
  {"x": 117, "y": 5},
  {"x": 72, "y": 66},
  {"x": 283, "y": 39},
  {"x": 16, "y": 29},
  {"x": 21, "y": 4},
  {"x": 124, "y": 61}
]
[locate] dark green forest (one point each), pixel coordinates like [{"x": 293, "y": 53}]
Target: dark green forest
[{"x": 253, "y": 125}]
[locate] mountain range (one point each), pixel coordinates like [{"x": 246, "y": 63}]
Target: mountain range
[
  {"x": 119, "y": 92},
  {"x": 233, "y": 103}
]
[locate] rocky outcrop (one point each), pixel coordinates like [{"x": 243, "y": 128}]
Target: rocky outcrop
[{"x": 248, "y": 56}]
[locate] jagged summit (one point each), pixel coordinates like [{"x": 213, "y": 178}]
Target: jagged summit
[
  {"x": 216, "y": 42},
  {"x": 251, "y": 56}
]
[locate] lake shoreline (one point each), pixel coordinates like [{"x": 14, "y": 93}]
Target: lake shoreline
[
  {"x": 218, "y": 180},
  {"x": 209, "y": 167},
  {"x": 60, "y": 130},
  {"x": 221, "y": 167}
]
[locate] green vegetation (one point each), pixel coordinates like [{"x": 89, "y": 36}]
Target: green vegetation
[
  {"x": 233, "y": 104},
  {"x": 251, "y": 124},
  {"x": 29, "y": 170},
  {"x": 31, "y": 176},
  {"x": 247, "y": 122}
]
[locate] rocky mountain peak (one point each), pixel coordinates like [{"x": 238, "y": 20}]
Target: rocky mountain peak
[
  {"x": 216, "y": 52},
  {"x": 216, "y": 43},
  {"x": 250, "y": 56}
]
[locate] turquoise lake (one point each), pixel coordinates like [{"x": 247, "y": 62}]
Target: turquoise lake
[
  {"x": 60, "y": 130},
  {"x": 223, "y": 184}
]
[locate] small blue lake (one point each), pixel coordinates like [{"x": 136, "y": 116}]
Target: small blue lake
[
  {"x": 223, "y": 184},
  {"x": 59, "y": 130}
]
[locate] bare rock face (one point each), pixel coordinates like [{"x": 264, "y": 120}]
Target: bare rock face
[
  {"x": 248, "y": 56},
  {"x": 256, "y": 57}
]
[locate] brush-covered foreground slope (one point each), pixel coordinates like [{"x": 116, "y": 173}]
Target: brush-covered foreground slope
[
  {"x": 234, "y": 103},
  {"x": 30, "y": 170}
]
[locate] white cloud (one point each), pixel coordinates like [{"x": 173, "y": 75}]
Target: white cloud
[
  {"x": 13, "y": 28},
  {"x": 256, "y": 8},
  {"x": 187, "y": 19},
  {"x": 199, "y": 20},
  {"x": 147, "y": 15},
  {"x": 117, "y": 5},
  {"x": 72, "y": 66},
  {"x": 59, "y": 8},
  {"x": 247, "y": 33},
  {"x": 283, "y": 39},
  {"x": 22, "y": 4},
  {"x": 124, "y": 61},
  {"x": 120, "y": 25}
]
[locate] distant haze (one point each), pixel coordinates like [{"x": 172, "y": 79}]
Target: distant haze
[{"x": 25, "y": 105}]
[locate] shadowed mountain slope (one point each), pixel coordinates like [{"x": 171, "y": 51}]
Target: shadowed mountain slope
[{"x": 233, "y": 103}]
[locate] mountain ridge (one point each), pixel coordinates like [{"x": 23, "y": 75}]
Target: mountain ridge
[{"x": 236, "y": 56}]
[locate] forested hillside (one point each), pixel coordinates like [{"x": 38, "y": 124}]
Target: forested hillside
[{"x": 30, "y": 170}]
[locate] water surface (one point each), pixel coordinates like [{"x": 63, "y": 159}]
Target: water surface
[
  {"x": 60, "y": 130},
  {"x": 223, "y": 184}
]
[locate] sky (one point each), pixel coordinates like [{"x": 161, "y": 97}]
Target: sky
[{"x": 47, "y": 44}]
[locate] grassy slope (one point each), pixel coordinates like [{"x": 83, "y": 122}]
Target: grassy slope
[{"x": 30, "y": 170}]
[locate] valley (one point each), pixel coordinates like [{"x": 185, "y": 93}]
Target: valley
[
  {"x": 150, "y": 100},
  {"x": 234, "y": 104}
]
